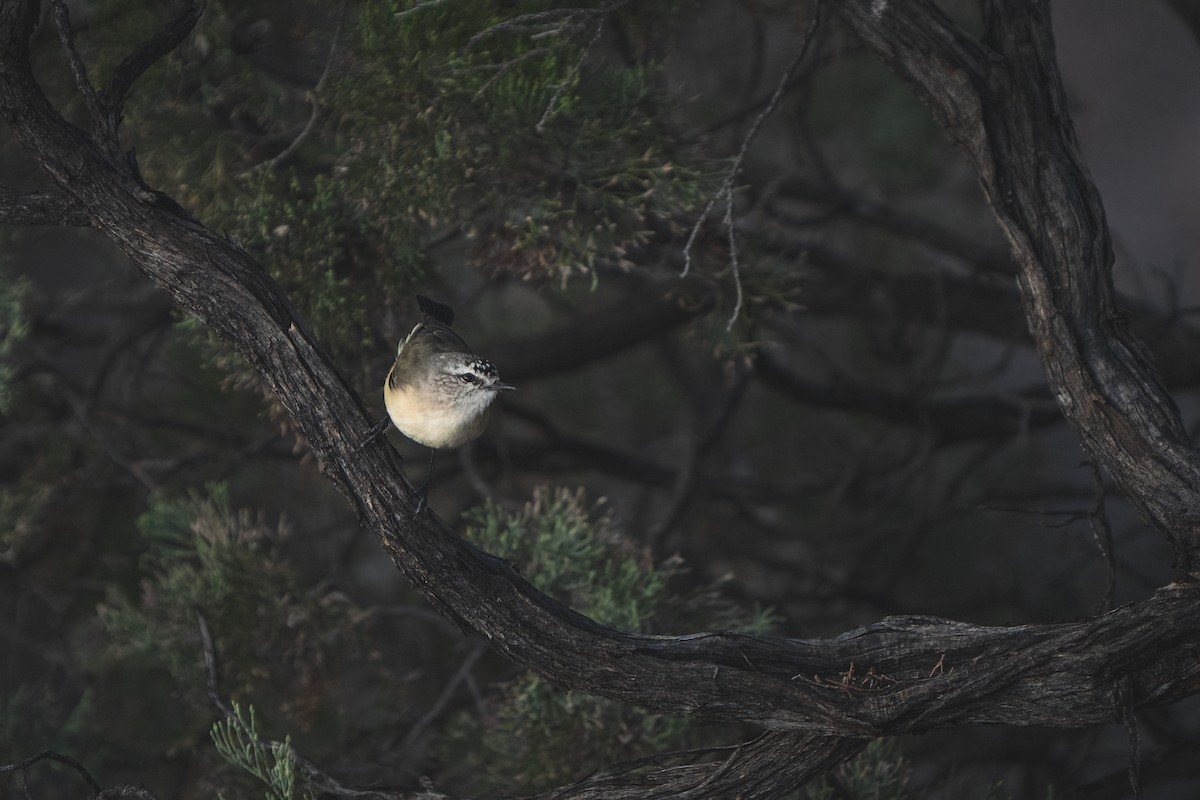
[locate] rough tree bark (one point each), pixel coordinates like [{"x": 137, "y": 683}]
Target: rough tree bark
[
  {"x": 819, "y": 700},
  {"x": 1002, "y": 101}
]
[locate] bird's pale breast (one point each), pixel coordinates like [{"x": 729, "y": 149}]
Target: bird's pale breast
[{"x": 434, "y": 424}]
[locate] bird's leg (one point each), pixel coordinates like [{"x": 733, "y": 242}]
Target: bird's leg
[
  {"x": 376, "y": 431},
  {"x": 423, "y": 489}
]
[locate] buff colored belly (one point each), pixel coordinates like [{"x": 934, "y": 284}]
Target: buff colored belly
[{"x": 432, "y": 424}]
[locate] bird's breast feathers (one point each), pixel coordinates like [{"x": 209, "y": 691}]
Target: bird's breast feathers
[{"x": 432, "y": 423}]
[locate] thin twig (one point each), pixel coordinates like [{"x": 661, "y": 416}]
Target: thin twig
[
  {"x": 687, "y": 248},
  {"x": 50, "y": 755},
  {"x": 726, "y": 190},
  {"x": 733, "y": 258},
  {"x": 573, "y": 18},
  {"x": 466, "y": 458},
  {"x": 1124, "y": 701},
  {"x": 696, "y": 448},
  {"x": 418, "y": 7},
  {"x": 136, "y": 63},
  {"x": 320, "y": 780},
  {"x": 427, "y": 719},
  {"x": 570, "y": 77},
  {"x": 211, "y": 669},
  {"x": 722, "y": 769},
  {"x": 101, "y": 121},
  {"x": 559, "y": 22},
  {"x": 1102, "y": 532},
  {"x": 313, "y": 101},
  {"x": 124, "y": 791},
  {"x": 506, "y": 67},
  {"x": 83, "y": 414},
  {"x": 333, "y": 46}
]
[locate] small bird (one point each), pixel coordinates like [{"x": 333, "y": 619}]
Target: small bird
[{"x": 438, "y": 392}]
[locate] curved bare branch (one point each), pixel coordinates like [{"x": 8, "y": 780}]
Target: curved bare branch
[
  {"x": 903, "y": 674},
  {"x": 1004, "y": 104}
]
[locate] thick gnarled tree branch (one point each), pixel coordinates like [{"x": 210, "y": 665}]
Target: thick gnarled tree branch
[
  {"x": 909, "y": 674},
  {"x": 1004, "y": 104},
  {"x": 39, "y": 208}
]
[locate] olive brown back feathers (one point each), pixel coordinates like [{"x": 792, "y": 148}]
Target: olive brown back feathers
[{"x": 414, "y": 355}]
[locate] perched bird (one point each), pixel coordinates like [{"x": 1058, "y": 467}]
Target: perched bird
[{"x": 438, "y": 391}]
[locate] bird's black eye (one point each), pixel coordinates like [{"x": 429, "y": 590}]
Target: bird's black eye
[{"x": 467, "y": 377}]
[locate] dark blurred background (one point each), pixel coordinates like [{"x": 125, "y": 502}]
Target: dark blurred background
[{"x": 865, "y": 432}]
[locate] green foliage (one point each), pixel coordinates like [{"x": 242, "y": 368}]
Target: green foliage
[
  {"x": 18, "y": 502},
  {"x": 207, "y": 120},
  {"x": 879, "y": 772},
  {"x": 882, "y": 772},
  {"x": 274, "y": 763},
  {"x": 537, "y": 734},
  {"x": 28, "y": 503},
  {"x": 579, "y": 555},
  {"x": 198, "y": 112},
  {"x": 481, "y": 124},
  {"x": 271, "y": 633},
  {"x": 34, "y": 712},
  {"x": 576, "y": 554},
  {"x": 436, "y": 120},
  {"x": 14, "y": 327},
  {"x": 300, "y": 229}
]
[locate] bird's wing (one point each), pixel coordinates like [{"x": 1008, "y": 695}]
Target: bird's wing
[{"x": 430, "y": 336}]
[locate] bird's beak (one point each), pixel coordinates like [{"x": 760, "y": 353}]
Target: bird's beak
[{"x": 503, "y": 387}]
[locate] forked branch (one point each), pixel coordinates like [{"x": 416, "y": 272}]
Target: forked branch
[
  {"x": 819, "y": 698},
  {"x": 1003, "y": 102}
]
